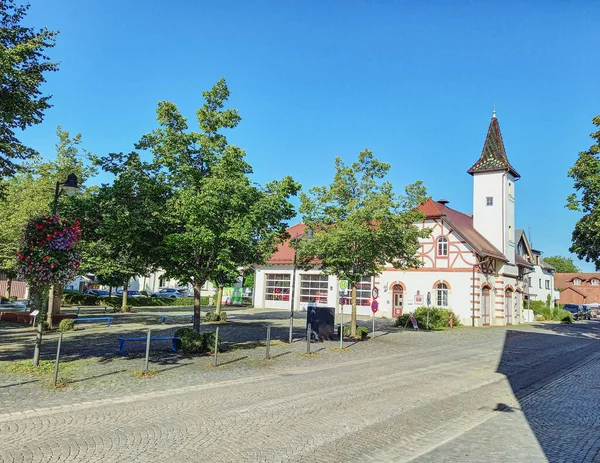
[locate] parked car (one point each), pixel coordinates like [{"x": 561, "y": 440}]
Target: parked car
[
  {"x": 130, "y": 293},
  {"x": 576, "y": 311},
  {"x": 170, "y": 292},
  {"x": 587, "y": 313},
  {"x": 97, "y": 292}
]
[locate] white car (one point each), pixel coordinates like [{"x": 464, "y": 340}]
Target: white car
[{"x": 170, "y": 292}]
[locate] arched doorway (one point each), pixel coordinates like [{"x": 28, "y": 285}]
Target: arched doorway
[
  {"x": 485, "y": 306},
  {"x": 508, "y": 306},
  {"x": 397, "y": 300}
]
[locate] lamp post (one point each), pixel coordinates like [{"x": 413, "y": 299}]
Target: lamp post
[
  {"x": 307, "y": 235},
  {"x": 69, "y": 187}
]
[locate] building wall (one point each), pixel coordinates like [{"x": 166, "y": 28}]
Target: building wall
[
  {"x": 488, "y": 220},
  {"x": 540, "y": 275},
  {"x": 569, "y": 296}
]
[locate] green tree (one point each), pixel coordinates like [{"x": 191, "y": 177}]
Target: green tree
[
  {"x": 30, "y": 193},
  {"x": 23, "y": 66},
  {"x": 359, "y": 224},
  {"x": 586, "y": 177},
  {"x": 562, "y": 264},
  {"x": 218, "y": 218},
  {"x": 123, "y": 223}
]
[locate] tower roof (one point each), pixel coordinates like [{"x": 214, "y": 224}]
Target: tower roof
[{"x": 493, "y": 157}]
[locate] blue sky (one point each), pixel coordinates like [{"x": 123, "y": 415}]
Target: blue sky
[{"x": 413, "y": 81}]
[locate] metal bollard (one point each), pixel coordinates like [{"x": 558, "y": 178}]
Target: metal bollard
[
  {"x": 57, "y": 358},
  {"x": 373, "y": 326},
  {"x": 268, "y": 354},
  {"x": 342, "y": 328},
  {"x": 147, "y": 352},
  {"x": 291, "y": 328},
  {"x": 308, "y": 334},
  {"x": 216, "y": 346}
]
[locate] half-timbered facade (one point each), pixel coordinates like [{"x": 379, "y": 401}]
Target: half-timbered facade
[{"x": 469, "y": 262}]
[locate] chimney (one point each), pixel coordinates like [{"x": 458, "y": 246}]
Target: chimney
[{"x": 443, "y": 202}]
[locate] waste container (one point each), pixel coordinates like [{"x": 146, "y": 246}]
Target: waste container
[{"x": 322, "y": 321}]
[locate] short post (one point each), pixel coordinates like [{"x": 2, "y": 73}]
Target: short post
[
  {"x": 216, "y": 346},
  {"x": 373, "y": 325},
  {"x": 342, "y": 328},
  {"x": 308, "y": 334},
  {"x": 291, "y": 327},
  {"x": 268, "y": 354},
  {"x": 147, "y": 352},
  {"x": 57, "y": 358}
]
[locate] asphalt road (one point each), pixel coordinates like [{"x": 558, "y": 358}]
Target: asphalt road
[{"x": 499, "y": 394}]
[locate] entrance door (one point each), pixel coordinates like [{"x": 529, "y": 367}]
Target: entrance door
[
  {"x": 485, "y": 306},
  {"x": 397, "y": 300}
]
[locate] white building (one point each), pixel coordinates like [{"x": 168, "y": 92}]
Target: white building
[{"x": 470, "y": 262}]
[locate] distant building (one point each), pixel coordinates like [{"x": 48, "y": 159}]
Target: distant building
[
  {"x": 578, "y": 288},
  {"x": 476, "y": 264}
]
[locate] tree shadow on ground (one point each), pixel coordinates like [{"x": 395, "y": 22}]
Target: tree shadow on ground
[{"x": 531, "y": 360}]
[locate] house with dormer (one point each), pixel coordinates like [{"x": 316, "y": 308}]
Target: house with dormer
[
  {"x": 474, "y": 263},
  {"x": 578, "y": 288}
]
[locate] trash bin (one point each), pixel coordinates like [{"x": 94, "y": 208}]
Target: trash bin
[{"x": 322, "y": 321}]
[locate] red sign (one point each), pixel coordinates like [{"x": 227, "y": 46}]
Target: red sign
[
  {"x": 374, "y": 306},
  {"x": 375, "y": 292}
]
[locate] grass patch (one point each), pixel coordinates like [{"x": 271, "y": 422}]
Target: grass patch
[
  {"x": 337, "y": 349},
  {"x": 45, "y": 367},
  {"x": 311, "y": 355},
  {"x": 141, "y": 374}
]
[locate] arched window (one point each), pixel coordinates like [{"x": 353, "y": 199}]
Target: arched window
[
  {"x": 442, "y": 295},
  {"x": 442, "y": 246}
]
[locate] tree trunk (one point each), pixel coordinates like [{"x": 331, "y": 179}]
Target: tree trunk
[
  {"x": 353, "y": 318},
  {"x": 50, "y": 311},
  {"x": 40, "y": 300},
  {"x": 125, "y": 286},
  {"x": 58, "y": 294},
  {"x": 219, "y": 298},
  {"x": 197, "y": 288}
]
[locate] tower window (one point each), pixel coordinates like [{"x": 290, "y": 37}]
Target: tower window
[
  {"x": 442, "y": 246},
  {"x": 489, "y": 201}
]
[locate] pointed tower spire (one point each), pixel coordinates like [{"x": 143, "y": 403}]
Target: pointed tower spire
[
  {"x": 494, "y": 111},
  {"x": 493, "y": 157}
]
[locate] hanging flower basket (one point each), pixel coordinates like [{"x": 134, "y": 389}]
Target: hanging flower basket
[{"x": 49, "y": 253}]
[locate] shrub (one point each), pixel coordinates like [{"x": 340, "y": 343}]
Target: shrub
[
  {"x": 144, "y": 293},
  {"x": 213, "y": 317},
  {"x": 567, "y": 319},
  {"x": 65, "y": 325},
  {"x": 439, "y": 318},
  {"x": 361, "y": 332},
  {"x": 113, "y": 301},
  {"x": 223, "y": 317},
  {"x": 196, "y": 343}
]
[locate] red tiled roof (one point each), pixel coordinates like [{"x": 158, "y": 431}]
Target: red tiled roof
[
  {"x": 285, "y": 253},
  {"x": 463, "y": 225},
  {"x": 562, "y": 280}
]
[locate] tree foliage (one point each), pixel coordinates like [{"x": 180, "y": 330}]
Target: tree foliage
[
  {"x": 218, "y": 219},
  {"x": 586, "y": 178},
  {"x": 562, "y": 264},
  {"x": 360, "y": 225},
  {"x": 23, "y": 66}
]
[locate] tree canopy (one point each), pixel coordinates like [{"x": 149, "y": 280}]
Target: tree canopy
[
  {"x": 23, "y": 67},
  {"x": 359, "y": 225},
  {"x": 562, "y": 264},
  {"x": 586, "y": 199}
]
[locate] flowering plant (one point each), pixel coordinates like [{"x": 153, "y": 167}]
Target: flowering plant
[{"x": 49, "y": 253}]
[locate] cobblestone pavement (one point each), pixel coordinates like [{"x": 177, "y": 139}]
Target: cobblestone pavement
[{"x": 499, "y": 394}]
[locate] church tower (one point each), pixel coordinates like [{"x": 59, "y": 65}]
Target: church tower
[{"x": 494, "y": 193}]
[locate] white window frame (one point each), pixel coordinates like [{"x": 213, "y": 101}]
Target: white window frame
[
  {"x": 577, "y": 282},
  {"x": 442, "y": 246},
  {"x": 441, "y": 296},
  {"x": 277, "y": 287},
  {"x": 595, "y": 282},
  {"x": 489, "y": 201},
  {"x": 547, "y": 284}
]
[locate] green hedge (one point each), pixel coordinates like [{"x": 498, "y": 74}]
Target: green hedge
[
  {"x": 77, "y": 299},
  {"x": 196, "y": 343},
  {"x": 439, "y": 318}
]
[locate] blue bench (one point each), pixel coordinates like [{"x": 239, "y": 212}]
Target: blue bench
[
  {"x": 164, "y": 317},
  {"x": 79, "y": 307},
  {"x": 93, "y": 319},
  {"x": 123, "y": 340}
]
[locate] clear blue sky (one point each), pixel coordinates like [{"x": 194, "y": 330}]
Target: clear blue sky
[{"x": 413, "y": 81}]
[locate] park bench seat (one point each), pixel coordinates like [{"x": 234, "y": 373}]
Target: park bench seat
[
  {"x": 94, "y": 319},
  {"x": 161, "y": 338},
  {"x": 79, "y": 307},
  {"x": 164, "y": 317}
]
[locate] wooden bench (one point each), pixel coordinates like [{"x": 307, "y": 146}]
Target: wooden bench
[
  {"x": 79, "y": 307},
  {"x": 164, "y": 317},
  {"x": 94, "y": 319},
  {"x": 123, "y": 340}
]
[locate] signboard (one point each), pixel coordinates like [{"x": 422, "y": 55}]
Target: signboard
[
  {"x": 374, "y": 306},
  {"x": 413, "y": 320},
  {"x": 343, "y": 286},
  {"x": 375, "y": 292},
  {"x": 428, "y": 299},
  {"x": 418, "y": 299}
]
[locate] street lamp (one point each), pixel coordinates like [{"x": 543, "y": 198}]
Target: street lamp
[
  {"x": 307, "y": 235},
  {"x": 70, "y": 187}
]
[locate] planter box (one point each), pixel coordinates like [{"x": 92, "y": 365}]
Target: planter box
[{"x": 27, "y": 319}]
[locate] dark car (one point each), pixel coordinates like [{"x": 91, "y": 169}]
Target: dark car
[
  {"x": 97, "y": 292},
  {"x": 130, "y": 293},
  {"x": 587, "y": 313},
  {"x": 576, "y": 311}
]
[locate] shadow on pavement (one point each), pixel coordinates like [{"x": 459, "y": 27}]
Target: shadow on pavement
[{"x": 563, "y": 424}]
